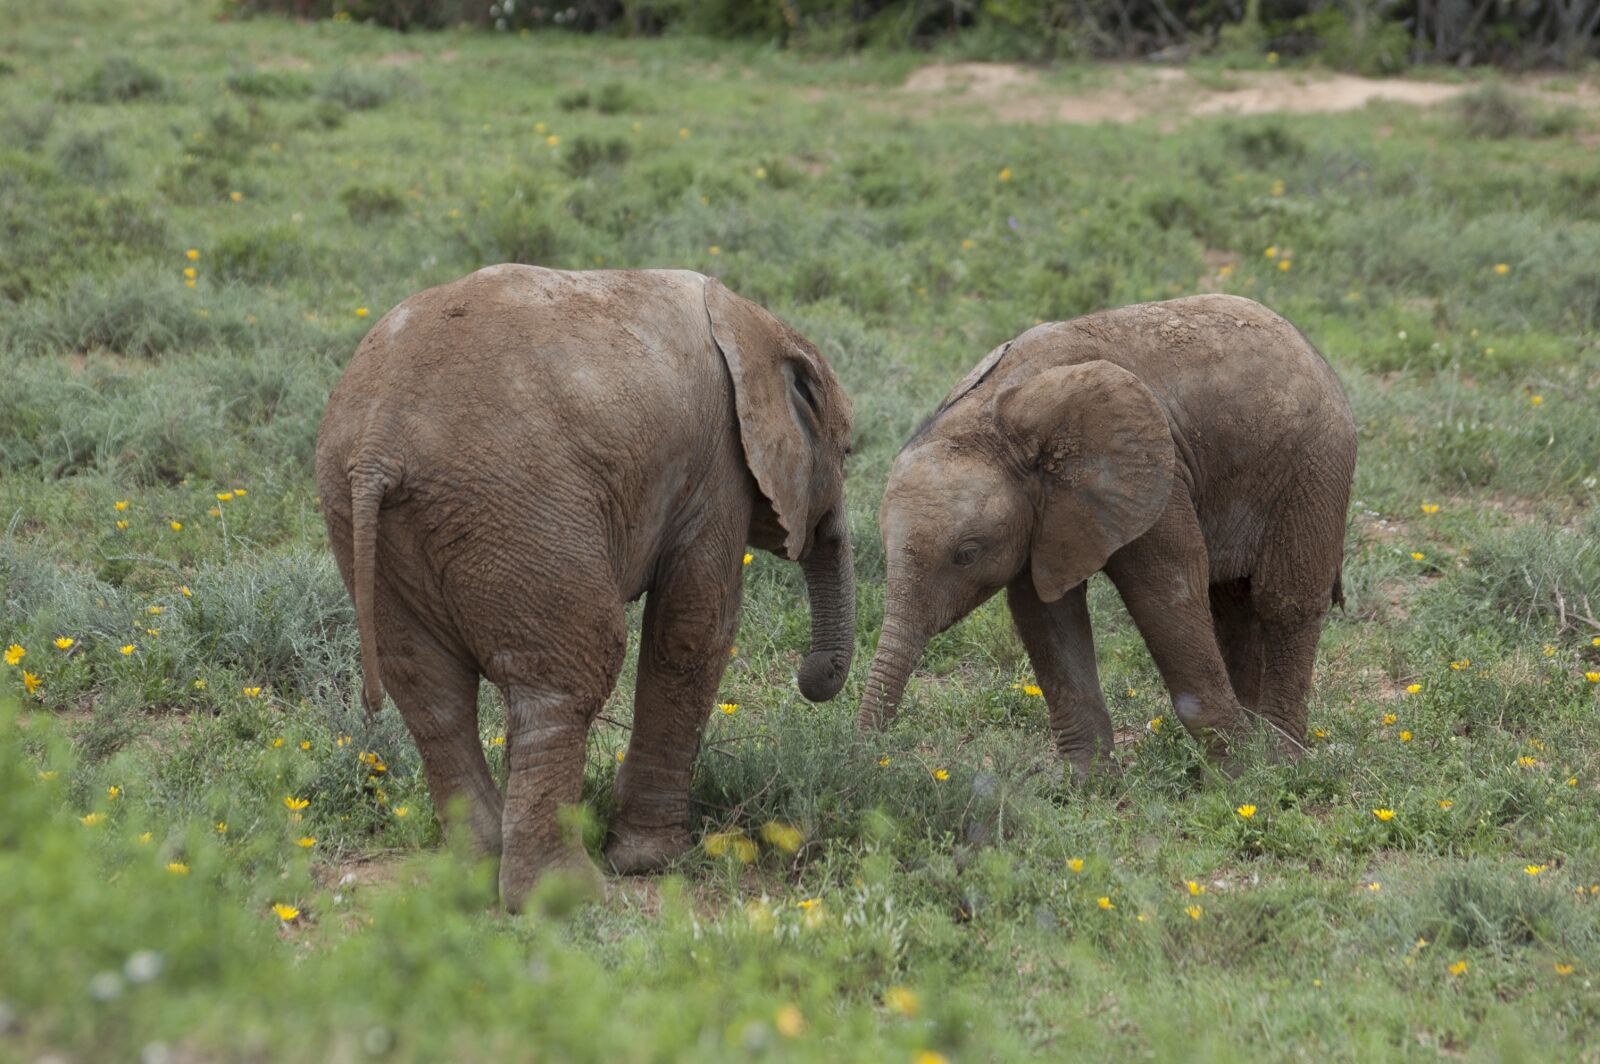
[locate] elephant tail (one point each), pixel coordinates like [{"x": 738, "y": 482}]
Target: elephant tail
[
  {"x": 367, "y": 489},
  {"x": 1338, "y": 587}
]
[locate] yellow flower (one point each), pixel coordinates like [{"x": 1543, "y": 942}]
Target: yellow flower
[
  {"x": 968, "y": 244},
  {"x": 241, "y": 492},
  {"x": 189, "y": 272},
  {"x": 255, "y": 692},
  {"x": 1459, "y": 968},
  {"x": 1445, "y": 803},
  {"x": 1389, "y": 718},
  {"x": 1534, "y": 869},
  {"x": 1405, "y": 737},
  {"x": 176, "y": 526},
  {"x": 1548, "y": 651},
  {"x": 236, "y": 196},
  {"x": 402, "y": 811},
  {"x": 747, "y": 557},
  {"x": 552, "y": 140},
  {"x": 941, "y": 774},
  {"x": 1105, "y": 903},
  {"x": 1536, "y": 400},
  {"x": 344, "y": 740},
  {"x": 1285, "y": 264},
  {"x": 883, "y": 762},
  {"x": 1563, "y": 969},
  {"x": 1417, "y": 555},
  {"x": 1277, "y": 187},
  {"x": 761, "y": 173},
  {"x": 1595, "y": 642},
  {"x": 193, "y": 254},
  {"x": 1430, "y": 507},
  {"x": 178, "y": 868},
  {"x": 1320, "y": 733},
  {"x": 684, "y": 133},
  {"x": 928, "y": 1056},
  {"x": 1193, "y": 911},
  {"x": 144, "y": 839},
  {"x": 361, "y": 312},
  {"x": 48, "y": 774},
  {"x": 1527, "y": 761},
  {"x": 1032, "y": 690},
  {"x": 113, "y": 792},
  {"x": 1501, "y": 268},
  {"x": 90, "y": 820},
  {"x": 305, "y": 842},
  {"x": 120, "y": 505},
  {"x": 1076, "y": 864},
  {"x": 122, "y": 525},
  {"x": 305, "y": 744},
  {"x": 789, "y": 1022},
  {"x": 1592, "y": 677},
  {"x": 1196, "y": 888},
  {"x": 185, "y": 592},
  {"x": 1225, "y": 270},
  {"x": 1413, "y": 688},
  {"x": 1462, "y": 664},
  {"x": 1155, "y": 724},
  {"x": 785, "y": 837},
  {"x": 1572, "y": 781},
  {"x": 728, "y": 708},
  {"x": 295, "y": 804},
  {"x": 286, "y": 913},
  {"x": 1005, "y": 173},
  {"x": 1384, "y": 815},
  {"x": 902, "y": 1000},
  {"x": 222, "y": 827},
  {"x": 1271, "y": 252},
  {"x": 214, "y": 512},
  {"x": 200, "y": 684},
  {"x": 620, "y": 755},
  {"x": 498, "y": 740},
  {"x": 1246, "y": 811},
  {"x": 14, "y": 654},
  {"x": 126, "y": 650},
  {"x": 190, "y": 283},
  {"x": 1374, "y": 886},
  {"x": 809, "y": 903},
  {"x": 714, "y": 250},
  {"x": 30, "y": 681},
  {"x": 64, "y": 643}
]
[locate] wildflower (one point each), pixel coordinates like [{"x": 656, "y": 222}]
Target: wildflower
[
  {"x": 14, "y": 654},
  {"x": 305, "y": 842},
  {"x": 1196, "y": 888},
  {"x": 1592, "y": 677},
  {"x": 1548, "y": 650},
  {"x": 1417, "y": 556},
  {"x": 222, "y": 827},
  {"x": 1459, "y": 968},
  {"x": 90, "y": 820},
  {"x": 1413, "y": 688},
  {"x": 1527, "y": 761},
  {"x": 902, "y": 1000},
  {"x": 1384, "y": 815},
  {"x": 176, "y": 526},
  {"x": 498, "y": 740},
  {"x": 178, "y": 868},
  {"x": 1285, "y": 265},
  {"x": 785, "y": 837},
  {"x": 1445, "y": 803},
  {"x": 1464, "y": 663},
  {"x": 1374, "y": 886},
  {"x": 1076, "y": 864},
  {"x": 1320, "y": 733},
  {"x": 1271, "y": 252},
  {"x": 1225, "y": 271},
  {"x": 1004, "y": 174},
  {"x": 190, "y": 283},
  {"x": 361, "y": 312},
  {"x": 747, "y": 557},
  {"x": 968, "y": 244},
  {"x": 1194, "y": 911},
  {"x": 714, "y": 250},
  {"x": 122, "y": 526},
  {"x": 144, "y": 839},
  {"x": 1246, "y": 811},
  {"x": 189, "y": 272},
  {"x": 214, "y": 512},
  {"x": 286, "y": 913},
  {"x": 185, "y": 592},
  {"x": 193, "y": 254},
  {"x": 883, "y": 762},
  {"x": 1105, "y": 903},
  {"x": 126, "y": 650},
  {"x": 1595, "y": 642},
  {"x": 1155, "y": 724},
  {"x": 1389, "y": 718},
  {"x": 1032, "y": 690},
  {"x": 809, "y": 903},
  {"x": 1572, "y": 781},
  {"x": 255, "y": 692},
  {"x": 1563, "y": 969},
  {"x": 402, "y": 811},
  {"x": 1430, "y": 507},
  {"x": 64, "y": 643},
  {"x": 761, "y": 173},
  {"x": 241, "y": 492},
  {"x": 295, "y": 804},
  {"x": 1501, "y": 268},
  {"x": 789, "y": 1022},
  {"x": 729, "y": 708},
  {"x": 683, "y": 134},
  {"x": 120, "y": 505},
  {"x": 1534, "y": 869},
  {"x": 113, "y": 792},
  {"x": 200, "y": 684},
  {"x": 305, "y": 744},
  {"x": 929, "y": 1056},
  {"x": 1133, "y": 692},
  {"x": 941, "y": 774},
  {"x": 1277, "y": 187},
  {"x": 237, "y": 197},
  {"x": 48, "y": 774},
  {"x": 30, "y": 681},
  {"x": 1535, "y": 400},
  {"x": 620, "y": 755},
  {"x": 344, "y": 740}
]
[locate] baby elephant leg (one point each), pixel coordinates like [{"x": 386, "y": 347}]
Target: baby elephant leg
[{"x": 1060, "y": 644}]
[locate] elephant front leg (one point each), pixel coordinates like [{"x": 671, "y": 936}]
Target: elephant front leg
[
  {"x": 689, "y": 622},
  {"x": 1060, "y": 643}
]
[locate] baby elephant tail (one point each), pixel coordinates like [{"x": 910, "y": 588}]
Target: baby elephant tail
[
  {"x": 1338, "y": 588},
  {"x": 367, "y": 489}
]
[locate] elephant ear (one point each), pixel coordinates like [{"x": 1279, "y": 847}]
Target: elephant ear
[
  {"x": 779, "y": 384},
  {"x": 1103, "y": 450}
]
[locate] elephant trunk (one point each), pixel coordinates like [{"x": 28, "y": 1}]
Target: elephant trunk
[
  {"x": 899, "y": 648},
  {"x": 831, "y": 587}
]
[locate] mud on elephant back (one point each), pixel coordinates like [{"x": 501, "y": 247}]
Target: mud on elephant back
[
  {"x": 1198, "y": 451},
  {"x": 509, "y": 460}
]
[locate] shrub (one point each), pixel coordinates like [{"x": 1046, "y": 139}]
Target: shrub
[{"x": 119, "y": 79}]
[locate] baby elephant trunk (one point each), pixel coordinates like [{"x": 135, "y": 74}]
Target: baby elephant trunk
[
  {"x": 899, "y": 648},
  {"x": 831, "y": 587}
]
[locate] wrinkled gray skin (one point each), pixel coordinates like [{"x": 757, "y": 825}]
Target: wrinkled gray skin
[
  {"x": 1200, "y": 451},
  {"x": 511, "y": 458}
]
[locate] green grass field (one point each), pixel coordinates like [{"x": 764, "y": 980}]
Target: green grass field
[{"x": 181, "y": 748}]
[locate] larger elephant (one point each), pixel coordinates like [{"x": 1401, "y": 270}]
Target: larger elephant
[
  {"x": 1200, "y": 451},
  {"x": 510, "y": 459}
]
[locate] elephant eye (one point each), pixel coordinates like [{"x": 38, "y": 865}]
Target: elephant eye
[{"x": 966, "y": 554}]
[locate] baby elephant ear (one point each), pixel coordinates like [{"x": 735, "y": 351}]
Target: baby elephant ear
[
  {"x": 1104, "y": 453},
  {"x": 779, "y": 384}
]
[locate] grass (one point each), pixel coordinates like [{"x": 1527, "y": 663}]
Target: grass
[{"x": 321, "y": 173}]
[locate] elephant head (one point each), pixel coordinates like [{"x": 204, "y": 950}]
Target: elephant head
[
  {"x": 795, "y": 427},
  {"x": 1050, "y": 472}
]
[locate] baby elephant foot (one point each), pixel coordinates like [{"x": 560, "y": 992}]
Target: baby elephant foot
[
  {"x": 636, "y": 851},
  {"x": 559, "y": 884}
]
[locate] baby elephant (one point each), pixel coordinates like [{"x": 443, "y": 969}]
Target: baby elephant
[
  {"x": 1200, "y": 451},
  {"x": 508, "y": 461}
]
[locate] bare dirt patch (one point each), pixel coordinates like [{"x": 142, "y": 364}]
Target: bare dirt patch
[{"x": 1008, "y": 92}]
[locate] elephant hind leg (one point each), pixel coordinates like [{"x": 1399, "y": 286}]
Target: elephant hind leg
[{"x": 1239, "y": 638}]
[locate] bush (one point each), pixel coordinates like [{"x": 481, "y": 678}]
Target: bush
[{"x": 119, "y": 79}]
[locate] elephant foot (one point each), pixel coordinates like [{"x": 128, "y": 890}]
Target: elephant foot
[
  {"x": 554, "y": 886},
  {"x": 636, "y": 851}
]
